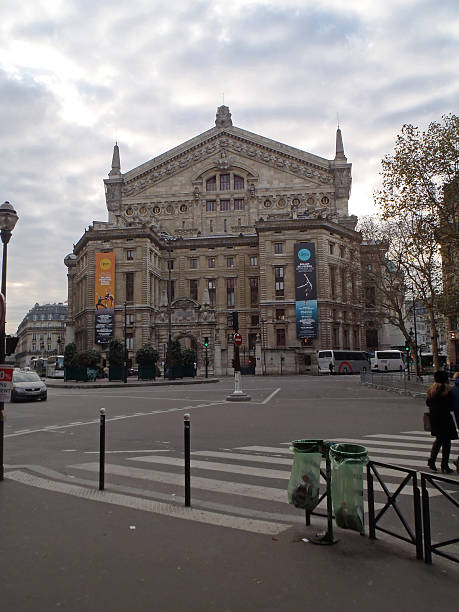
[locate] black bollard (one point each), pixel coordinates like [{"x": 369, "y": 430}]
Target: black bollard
[
  {"x": 102, "y": 450},
  {"x": 186, "y": 424}
]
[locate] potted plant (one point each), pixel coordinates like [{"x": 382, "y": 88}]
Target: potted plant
[
  {"x": 72, "y": 371},
  {"x": 146, "y": 358},
  {"x": 116, "y": 360},
  {"x": 89, "y": 360}
]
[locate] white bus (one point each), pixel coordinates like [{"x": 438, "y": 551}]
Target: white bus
[
  {"x": 55, "y": 366},
  {"x": 342, "y": 362},
  {"x": 387, "y": 361}
]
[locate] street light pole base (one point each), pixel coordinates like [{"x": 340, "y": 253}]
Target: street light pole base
[{"x": 238, "y": 397}]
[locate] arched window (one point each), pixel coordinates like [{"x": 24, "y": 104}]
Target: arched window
[
  {"x": 238, "y": 182},
  {"x": 211, "y": 184}
]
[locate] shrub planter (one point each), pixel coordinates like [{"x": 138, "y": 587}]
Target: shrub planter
[
  {"x": 116, "y": 372},
  {"x": 147, "y": 371},
  {"x": 76, "y": 373}
]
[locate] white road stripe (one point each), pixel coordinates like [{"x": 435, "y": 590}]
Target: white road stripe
[
  {"x": 146, "y": 505},
  {"x": 217, "y": 467},
  {"x": 207, "y": 484},
  {"x": 265, "y": 401},
  {"x": 243, "y": 457},
  {"x": 221, "y": 486},
  {"x": 399, "y": 437}
]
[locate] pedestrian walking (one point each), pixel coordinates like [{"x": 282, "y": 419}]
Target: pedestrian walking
[
  {"x": 455, "y": 394},
  {"x": 440, "y": 403}
]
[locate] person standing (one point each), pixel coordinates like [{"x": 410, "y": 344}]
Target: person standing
[
  {"x": 455, "y": 394},
  {"x": 440, "y": 403}
]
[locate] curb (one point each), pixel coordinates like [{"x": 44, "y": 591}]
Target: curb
[
  {"x": 395, "y": 390},
  {"x": 113, "y": 385}
]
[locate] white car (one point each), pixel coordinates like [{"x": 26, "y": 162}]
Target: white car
[{"x": 27, "y": 385}]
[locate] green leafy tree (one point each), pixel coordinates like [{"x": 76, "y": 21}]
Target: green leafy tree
[
  {"x": 70, "y": 355},
  {"x": 116, "y": 353},
  {"x": 146, "y": 355},
  {"x": 89, "y": 359}
]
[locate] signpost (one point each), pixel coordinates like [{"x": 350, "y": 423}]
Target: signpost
[
  {"x": 6, "y": 382},
  {"x": 238, "y": 394}
]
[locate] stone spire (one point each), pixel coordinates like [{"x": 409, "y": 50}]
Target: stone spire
[
  {"x": 223, "y": 118},
  {"x": 116, "y": 166},
  {"x": 339, "y": 156}
]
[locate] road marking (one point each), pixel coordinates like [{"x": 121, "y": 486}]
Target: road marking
[
  {"x": 217, "y": 467},
  {"x": 243, "y": 457},
  {"x": 265, "y": 401},
  {"x": 206, "y": 484},
  {"x": 49, "y": 428},
  {"x": 161, "y": 450},
  {"x": 146, "y": 505}
]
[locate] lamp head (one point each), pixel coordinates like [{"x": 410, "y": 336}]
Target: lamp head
[{"x": 8, "y": 217}]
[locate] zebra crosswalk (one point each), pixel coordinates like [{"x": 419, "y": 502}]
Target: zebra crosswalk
[{"x": 243, "y": 487}]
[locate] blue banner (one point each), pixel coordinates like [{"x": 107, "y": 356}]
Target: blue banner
[{"x": 306, "y": 290}]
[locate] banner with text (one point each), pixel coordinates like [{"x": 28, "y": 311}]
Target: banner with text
[
  {"x": 306, "y": 290},
  {"x": 104, "y": 297}
]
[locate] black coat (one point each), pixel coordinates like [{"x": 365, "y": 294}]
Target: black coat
[{"x": 441, "y": 419}]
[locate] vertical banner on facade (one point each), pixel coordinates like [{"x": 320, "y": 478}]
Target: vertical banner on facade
[
  {"x": 306, "y": 290},
  {"x": 104, "y": 297}
]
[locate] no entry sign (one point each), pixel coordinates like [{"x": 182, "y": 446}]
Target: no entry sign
[
  {"x": 6, "y": 382},
  {"x": 237, "y": 339}
]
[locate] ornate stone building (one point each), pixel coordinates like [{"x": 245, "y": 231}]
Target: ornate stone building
[
  {"x": 220, "y": 216},
  {"x": 41, "y": 333}
]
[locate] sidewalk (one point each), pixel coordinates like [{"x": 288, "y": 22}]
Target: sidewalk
[
  {"x": 104, "y": 383},
  {"x": 83, "y": 555}
]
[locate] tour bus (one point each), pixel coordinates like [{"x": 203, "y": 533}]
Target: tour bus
[
  {"x": 427, "y": 362},
  {"x": 387, "y": 361},
  {"x": 39, "y": 365},
  {"x": 55, "y": 366},
  {"x": 342, "y": 362}
]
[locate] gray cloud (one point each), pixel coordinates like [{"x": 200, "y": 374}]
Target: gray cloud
[{"x": 73, "y": 80}]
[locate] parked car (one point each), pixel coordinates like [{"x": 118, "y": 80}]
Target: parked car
[{"x": 27, "y": 385}]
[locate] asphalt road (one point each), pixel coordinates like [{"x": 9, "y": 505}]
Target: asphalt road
[{"x": 220, "y": 550}]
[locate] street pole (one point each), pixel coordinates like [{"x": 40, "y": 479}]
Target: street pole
[
  {"x": 415, "y": 338},
  {"x": 207, "y": 363},
  {"x": 125, "y": 347},
  {"x": 8, "y": 220},
  {"x": 169, "y": 313}
]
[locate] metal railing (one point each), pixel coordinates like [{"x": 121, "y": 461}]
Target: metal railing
[
  {"x": 398, "y": 381},
  {"x": 429, "y": 547},
  {"x": 413, "y": 536}
]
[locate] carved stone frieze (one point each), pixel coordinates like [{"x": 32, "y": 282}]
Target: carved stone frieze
[{"x": 229, "y": 144}]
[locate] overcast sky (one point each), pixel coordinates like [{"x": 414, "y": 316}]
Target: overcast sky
[{"x": 76, "y": 75}]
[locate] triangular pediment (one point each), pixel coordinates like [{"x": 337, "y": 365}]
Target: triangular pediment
[{"x": 235, "y": 147}]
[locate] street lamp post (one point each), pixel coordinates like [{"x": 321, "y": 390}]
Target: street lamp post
[
  {"x": 125, "y": 361},
  {"x": 415, "y": 338},
  {"x": 8, "y": 220},
  {"x": 168, "y": 239}
]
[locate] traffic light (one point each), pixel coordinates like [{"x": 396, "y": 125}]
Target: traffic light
[
  {"x": 11, "y": 342},
  {"x": 206, "y": 341},
  {"x": 235, "y": 321},
  {"x": 407, "y": 346}
]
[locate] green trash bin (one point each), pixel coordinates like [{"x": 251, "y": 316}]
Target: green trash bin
[
  {"x": 347, "y": 463},
  {"x": 304, "y": 483}
]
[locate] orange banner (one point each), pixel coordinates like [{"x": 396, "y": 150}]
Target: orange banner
[
  {"x": 104, "y": 290},
  {"x": 104, "y": 297}
]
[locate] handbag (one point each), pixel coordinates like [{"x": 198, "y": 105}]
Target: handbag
[{"x": 426, "y": 421}]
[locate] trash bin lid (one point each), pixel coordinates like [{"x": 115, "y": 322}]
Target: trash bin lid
[
  {"x": 348, "y": 451},
  {"x": 306, "y": 446}
]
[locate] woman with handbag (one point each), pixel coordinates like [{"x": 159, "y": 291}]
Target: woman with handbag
[{"x": 440, "y": 403}]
